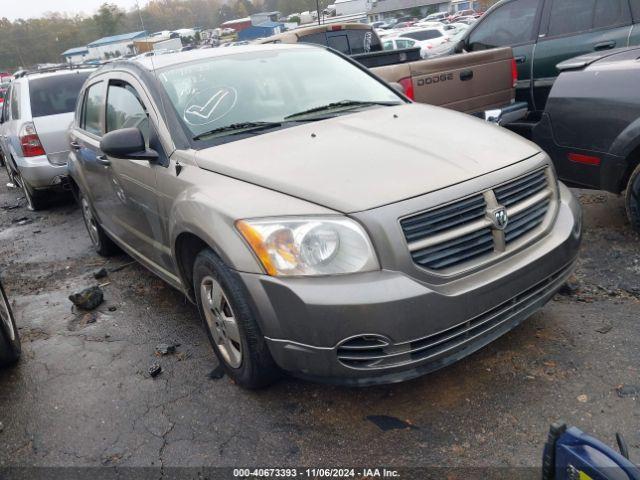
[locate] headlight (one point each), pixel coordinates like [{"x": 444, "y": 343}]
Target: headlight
[{"x": 309, "y": 246}]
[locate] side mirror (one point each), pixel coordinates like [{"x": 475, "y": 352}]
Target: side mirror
[
  {"x": 460, "y": 47},
  {"x": 127, "y": 143},
  {"x": 397, "y": 87}
]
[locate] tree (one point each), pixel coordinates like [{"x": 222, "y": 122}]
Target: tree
[{"x": 108, "y": 18}]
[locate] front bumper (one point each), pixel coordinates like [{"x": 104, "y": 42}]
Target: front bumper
[
  {"x": 309, "y": 321},
  {"x": 39, "y": 173}
]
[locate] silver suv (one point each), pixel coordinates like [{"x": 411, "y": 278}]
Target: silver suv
[
  {"x": 323, "y": 223},
  {"x": 36, "y": 114}
]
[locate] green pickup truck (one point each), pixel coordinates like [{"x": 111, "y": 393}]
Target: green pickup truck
[{"x": 544, "y": 33}]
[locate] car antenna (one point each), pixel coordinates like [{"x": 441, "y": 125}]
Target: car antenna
[{"x": 153, "y": 69}]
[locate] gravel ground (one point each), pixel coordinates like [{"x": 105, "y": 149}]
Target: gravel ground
[{"x": 81, "y": 395}]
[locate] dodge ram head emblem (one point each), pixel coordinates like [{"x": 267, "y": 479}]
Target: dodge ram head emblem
[{"x": 499, "y": 217}]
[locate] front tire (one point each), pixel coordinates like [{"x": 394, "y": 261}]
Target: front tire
[
  {"x": 230, "y": 323},
  {"x": 632, "y": 199},
  {"x": 102, "y": 244},
  {"x": 9, "y": 338}
]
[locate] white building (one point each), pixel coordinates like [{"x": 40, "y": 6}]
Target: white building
[
  {"x": 109, "y": 47},
  {"x": 76, "y": 55},
  {"x": 348, "y": 7}
]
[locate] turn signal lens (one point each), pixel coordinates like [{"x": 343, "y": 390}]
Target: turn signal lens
[
  {"x": 309, "y": 246},
  {"x": 514, "y": 72}
]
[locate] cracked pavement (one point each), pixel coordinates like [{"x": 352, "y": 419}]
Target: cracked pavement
[{"x": 81, "y": 394}]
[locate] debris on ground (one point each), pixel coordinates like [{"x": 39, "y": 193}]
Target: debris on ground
[
  {"x": 582, "y": 398},
  {"x": 22, "y": 220},
  {"x": 625, "y": 391},
  {"x": 10, "y": 206},
  {"x": 1, "y": 427},
  {"x": 165, "y": 349},
  {"x": 113, "y": 309},
  {"x": 102, "y": 273},
  {"x": 88, "y": 299},
  {"x": 386, "y": 423},
  {"x": 217, "y": 373},
  {"x": 154, "y": 370},
  {"x": 604, "y": 329},
  {"x": 569, "y": 288}
]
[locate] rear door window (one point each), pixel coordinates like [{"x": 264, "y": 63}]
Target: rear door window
[
  {"x": 92, "y": 109},
  {"x": 55, "y": 95},
  {"x": 339, "y": 43},
  {"x": 611, "y": 13},
  {"x": 576, "y": 16},
  {"x": 513, "y": 23},
  {"x": 635, "y": 10}
]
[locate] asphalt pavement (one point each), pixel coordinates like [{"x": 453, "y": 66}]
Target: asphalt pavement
[{"x": 82, "y": 395}]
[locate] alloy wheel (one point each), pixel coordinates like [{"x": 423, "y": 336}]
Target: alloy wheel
[{"x": 221, "y": 321}]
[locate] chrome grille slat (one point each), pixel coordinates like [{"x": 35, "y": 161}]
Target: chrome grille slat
[
  {"x": 457, "y": 234},
  {"x": 444, "y": 218},
  {"x": 525, "y": 222},
  {"x": 473, "y": 250},
  {"x": 523, "y": 188}
]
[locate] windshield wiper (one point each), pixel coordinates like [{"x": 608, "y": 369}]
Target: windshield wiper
[
  {"x": 343, "y": 104},
  {"x": 236, "y": 128}
]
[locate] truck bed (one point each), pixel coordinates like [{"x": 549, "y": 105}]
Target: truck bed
[{"x": 469, "y": 83}]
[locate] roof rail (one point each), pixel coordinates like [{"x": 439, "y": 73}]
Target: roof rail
[{"x": 55, "y": 68}]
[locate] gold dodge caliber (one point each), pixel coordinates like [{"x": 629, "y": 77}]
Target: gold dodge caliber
[{"x": 324, "y": 224}]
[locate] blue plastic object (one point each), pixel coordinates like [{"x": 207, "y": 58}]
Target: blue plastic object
[{"x": 570, "y": 454}]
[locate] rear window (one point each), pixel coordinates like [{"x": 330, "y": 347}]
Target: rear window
[
  {"x": 349, "y": 42},
  {"x": 55, "y": 95},
  {"x": 423, "y": 34}
]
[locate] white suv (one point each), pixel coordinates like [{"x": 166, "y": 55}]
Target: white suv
[{"x": 36, "y": 113}]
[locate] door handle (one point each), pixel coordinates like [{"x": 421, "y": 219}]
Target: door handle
[
  {"x": 466, "y": 75},
  {"x": 604, "y": 45},
  {"x": 103, "y": 160},
  {"x": 75, "y": 145},
  {"x": 521, "y": 59}
]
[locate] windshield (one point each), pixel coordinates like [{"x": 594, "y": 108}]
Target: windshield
[{"x": 265, "y": 86}]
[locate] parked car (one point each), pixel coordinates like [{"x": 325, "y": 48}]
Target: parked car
[
  {"x": 229, "y": 173},
  {"x": 544, "y": 33},
  {"x": 426, "y": 38},
  {"x": 591, "y": 124},
  {"x": 435, "y": 17},
  {"x": 447, "y": 48},
  {"x": 398, "y": 43},
  {"x": 9, "y": 336},
  {"x": 34, "y": 121}
]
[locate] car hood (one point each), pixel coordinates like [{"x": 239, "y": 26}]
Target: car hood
[{"x": 371, "y": 158}]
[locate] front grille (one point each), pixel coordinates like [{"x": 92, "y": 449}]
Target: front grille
[
  {"x": 463, "y": 233},
  {"x": 376, "y": 352}
]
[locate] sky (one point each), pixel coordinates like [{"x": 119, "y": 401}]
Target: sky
[{"x": 36, "y": 8}]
